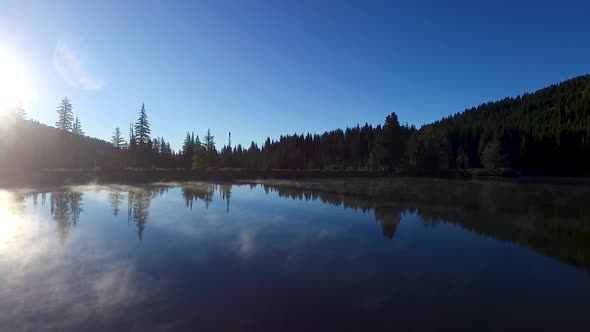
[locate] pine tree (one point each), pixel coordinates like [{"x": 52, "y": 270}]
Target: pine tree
[
  {"x": 188, "y": 148},
  {"x": 142, "y": 129},
  {"x": 209, "y": 141},
  {"x": 77, "y": 128},
  {"x": 65, "y": 115},
  {"x": 389, "y": 147},
  {"x": 209, "y": 145},
  {"x": 117, "y": 139}
]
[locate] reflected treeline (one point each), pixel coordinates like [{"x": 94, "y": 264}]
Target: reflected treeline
[
  {"x": 552, "y": 220},
  {"x": 66, "y": 208},
  {"x": 205, "y": 192}
]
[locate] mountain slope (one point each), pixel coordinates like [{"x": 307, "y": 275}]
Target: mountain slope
[
  {"x": 26, "y": 144},
  {"x": 544, "y": 132}
]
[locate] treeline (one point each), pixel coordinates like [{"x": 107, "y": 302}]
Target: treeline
[{"x": 547, "y": 132}]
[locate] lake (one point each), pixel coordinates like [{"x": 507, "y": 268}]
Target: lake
[{"x": 341, "y": 255}]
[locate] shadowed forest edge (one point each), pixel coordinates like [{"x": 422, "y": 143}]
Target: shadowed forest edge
[{"x": 544, "y": 133}]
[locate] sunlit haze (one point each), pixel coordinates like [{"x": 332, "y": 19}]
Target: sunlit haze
[{"x": 16, "y": 82}]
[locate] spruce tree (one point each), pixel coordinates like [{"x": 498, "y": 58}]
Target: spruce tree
[
  {"x": 65, "y": 115},
  {"x": 142, "y": 129},
  {"x": 117, "y": 138},
  {"x": 77, "y": 127},
  {"x": 209, "y": 141},
  {"x": 188, "y": 147}
]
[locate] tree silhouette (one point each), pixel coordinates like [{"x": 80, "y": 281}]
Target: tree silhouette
[
  {"x": 77, "y": 127},
  {"x": 142, "y": 129},
  {"x": 188, "y": 147},
  {"x": 390, "y": 144},
  {"x": 65, "y": 115},
  {"x": 117, "y": 139}
]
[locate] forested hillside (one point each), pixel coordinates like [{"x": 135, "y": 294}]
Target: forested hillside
[
  {"x": 546, "y": 132},
  {"x": 27, "y": 144}
]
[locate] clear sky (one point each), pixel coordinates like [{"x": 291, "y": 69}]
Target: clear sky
[{"x": 265, "y": 68}]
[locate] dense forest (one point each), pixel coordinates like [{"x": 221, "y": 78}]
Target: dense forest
[{"x": 546, "y": 132}]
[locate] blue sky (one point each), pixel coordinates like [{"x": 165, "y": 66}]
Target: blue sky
[{"x": 265, "y": 68}]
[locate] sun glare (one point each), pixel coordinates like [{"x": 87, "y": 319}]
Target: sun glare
[
  {"x": 9, "y": 221},
  {"x": 15, "y": 82}
]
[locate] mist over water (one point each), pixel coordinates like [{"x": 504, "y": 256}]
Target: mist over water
[{"x": 283, "y": 255}]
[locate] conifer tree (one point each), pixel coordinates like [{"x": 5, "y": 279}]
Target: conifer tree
[
  {"x": 65, "y": 115},
  {"x": 77, "y": 127},
  {"x": 117, "y": 138},
  {"x": 142, "y": 129}
]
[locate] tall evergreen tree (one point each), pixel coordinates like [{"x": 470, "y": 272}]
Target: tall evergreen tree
[
  {"x": 389, "y": 147},
  {"x": 65, "y": 115},
  {"x": 117, "y": 138},
  {"x": 208, "y": 141},
  {"x": 142, "y": 129},
  {"x": 209, "y": 145},
  {"x": 188, "y": 148},
  {"x": 77, "y": 127}
]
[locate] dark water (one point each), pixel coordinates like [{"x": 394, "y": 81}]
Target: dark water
[{"x": 297, "y": 256}]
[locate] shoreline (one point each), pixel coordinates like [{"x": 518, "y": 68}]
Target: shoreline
[{"x": 47, "y": 178}]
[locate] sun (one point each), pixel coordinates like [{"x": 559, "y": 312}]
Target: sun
[{"x": 15, "y": 82}]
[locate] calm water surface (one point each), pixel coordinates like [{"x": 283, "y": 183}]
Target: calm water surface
[{"x": 351, "y": 255}]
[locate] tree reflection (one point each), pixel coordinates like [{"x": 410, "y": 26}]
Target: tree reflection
[
  {"x": 550, "y": 219},
  {"x": 138, "y": 209},
  {"x": 225, "y": 190},
  {"x": 389, "y": 217},
  {"x": 194, "y": 192},
  {"x": 116, "y": 201},
  {"x": 66, "y": 208}
]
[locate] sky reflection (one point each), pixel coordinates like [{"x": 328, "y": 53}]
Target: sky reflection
[{"x": 302, "y": 255}]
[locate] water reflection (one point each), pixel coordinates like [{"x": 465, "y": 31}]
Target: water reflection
[
  {"x": 295, "y": 256},
  {"x": 66, "y": 208},
  {"x": 116, "y": 199},
  {"x": 550, "y": 219},
  {"x": 198, "y": 191}
]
